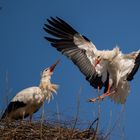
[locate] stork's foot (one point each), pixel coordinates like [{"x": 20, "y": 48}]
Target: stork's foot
[
  {"x": 101, "y": 97},
  {"x": 95, "y": 99}
]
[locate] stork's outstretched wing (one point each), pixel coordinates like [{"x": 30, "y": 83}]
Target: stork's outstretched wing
[{"x": 76, "y": 47}]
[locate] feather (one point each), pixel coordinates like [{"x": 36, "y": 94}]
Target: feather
[
  {"x": 76, "y": 47},
  {"x": 110, "y": 69}
]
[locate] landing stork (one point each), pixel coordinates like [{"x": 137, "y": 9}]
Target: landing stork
[
  {"x": 29, "y": 100},
  {"x": 101, "y": 68}
]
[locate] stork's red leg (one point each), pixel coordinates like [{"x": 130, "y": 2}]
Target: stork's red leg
[{"x": 107, "y": 93}]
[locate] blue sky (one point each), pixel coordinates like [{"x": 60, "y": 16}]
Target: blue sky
[{"x": 24, "y": 53}]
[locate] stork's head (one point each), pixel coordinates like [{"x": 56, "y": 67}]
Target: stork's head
[
  {"x": 49, "y": 71},
  {"x": 45, "y": 84},
  {"x": 97, "y": 60},
  {"x": 107, "y": 55}
]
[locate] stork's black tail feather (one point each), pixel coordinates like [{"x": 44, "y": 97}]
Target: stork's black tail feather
[{"x": 12, "y": 106}]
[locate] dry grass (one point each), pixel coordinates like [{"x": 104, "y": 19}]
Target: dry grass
[{"x": 26, "y": 130}]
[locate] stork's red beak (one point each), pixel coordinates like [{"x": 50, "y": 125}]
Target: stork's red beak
[
  {"x": 97, "y": 61},
  {"x": 54, "y": 65}
]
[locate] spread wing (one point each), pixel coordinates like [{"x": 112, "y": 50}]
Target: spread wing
[{"x": 76, "y": 47}]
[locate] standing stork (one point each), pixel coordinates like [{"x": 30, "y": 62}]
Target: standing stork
[
  {"x": 29, "y": 100},
  {"x": 101, "y": 68}
]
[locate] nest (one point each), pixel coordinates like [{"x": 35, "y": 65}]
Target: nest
[{"x": 25, "y": 130}]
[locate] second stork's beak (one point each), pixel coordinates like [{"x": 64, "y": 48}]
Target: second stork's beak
[{"x": 54, "y": 65}]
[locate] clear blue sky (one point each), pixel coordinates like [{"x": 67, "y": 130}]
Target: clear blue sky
[{"x": 24, "y": 53}]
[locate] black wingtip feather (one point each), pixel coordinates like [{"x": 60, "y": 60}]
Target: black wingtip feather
[
  {"x": 59, "y": 28},
  {"x": 46, "y": 38},
  {"x": 135, "y": 69},
  {"x": 54, "y": 45},
  {"x": 64, "y": 43},
  {"x": 138, "y": 58},
  {"x": 67, "y": 25}
]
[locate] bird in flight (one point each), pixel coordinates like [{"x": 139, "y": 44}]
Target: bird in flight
[
  {"x": 29, "y": 100},
  {"x": 108, "y": 69}
]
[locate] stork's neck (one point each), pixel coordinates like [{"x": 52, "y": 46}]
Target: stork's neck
[
  {"x": 45, "y": 83},
  {"x": 47, "y": 88}
]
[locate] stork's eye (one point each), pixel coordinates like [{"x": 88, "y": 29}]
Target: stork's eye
[
  {"x": 46, "y": 69},
  {"x": 98, "y": 56}
]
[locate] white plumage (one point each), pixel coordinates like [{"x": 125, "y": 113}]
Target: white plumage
[
  {"x": 110, "y": 69},
  {"x": 121, "y": 69},
  {"x": 29, "y": 100}
]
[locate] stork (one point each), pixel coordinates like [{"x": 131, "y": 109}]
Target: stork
[
  {"x": 29, "y": 100},
  {"x": 121, "y": 69},
  {"x": 101, "y": 68}
]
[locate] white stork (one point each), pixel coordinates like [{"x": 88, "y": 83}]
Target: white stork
[
  {"x": 29, "y": 100},
  {"x": 110, "y": 69}
]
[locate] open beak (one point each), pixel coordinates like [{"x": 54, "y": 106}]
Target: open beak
[{"x": 54, "y": 65}]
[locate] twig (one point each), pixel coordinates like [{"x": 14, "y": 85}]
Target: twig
[
  {"x": 90, "y": 127},
  {"x": 109, "y": 122},
  {"x": 78, "y": 108},
  {"x": 7, "y": 88},
  {"x": 99, "y": 113},
  {"x": 77, "y": 112},
  {"x": 114, "y": 126},
  {"x": 58, "y": 112},
  {"x": 58, "y": 118},
  {"x": 42, "y": 120}
]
